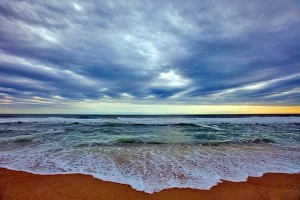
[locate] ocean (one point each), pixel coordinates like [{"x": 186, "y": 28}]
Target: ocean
[{"x": 152, "y": 152}]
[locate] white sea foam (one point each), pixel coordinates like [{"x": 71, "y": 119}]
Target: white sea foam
[
  {"x": 199, "y": 120},
  {"x": 52, "y": 120},
  {"x": 151, "y": 168},
  {"x": 185, "y": 153}
]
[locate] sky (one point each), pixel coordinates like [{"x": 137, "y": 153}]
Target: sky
[{"x": 150, "y": 57}]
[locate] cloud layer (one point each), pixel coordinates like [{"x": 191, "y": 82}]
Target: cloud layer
[{"x": 149, "y": 52}]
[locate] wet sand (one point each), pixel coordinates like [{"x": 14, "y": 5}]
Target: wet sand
[{"x": 22, "y": 185}]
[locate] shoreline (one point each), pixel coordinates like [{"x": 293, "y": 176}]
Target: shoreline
[{"x": 24, "y": 185}]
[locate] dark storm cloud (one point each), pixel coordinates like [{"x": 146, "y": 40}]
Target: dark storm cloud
[{"x": 156, "y": 51}]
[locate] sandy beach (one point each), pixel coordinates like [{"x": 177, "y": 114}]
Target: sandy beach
[{"x": 22, "y": 185}]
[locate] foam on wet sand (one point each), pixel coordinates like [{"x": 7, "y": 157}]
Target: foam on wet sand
[{"x": 26, "y": 186}]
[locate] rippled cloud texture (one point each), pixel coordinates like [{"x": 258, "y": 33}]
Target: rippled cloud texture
[{"x": 66, "y": 53}]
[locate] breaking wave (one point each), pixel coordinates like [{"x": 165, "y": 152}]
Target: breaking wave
[{"x": 152, "y": 154}]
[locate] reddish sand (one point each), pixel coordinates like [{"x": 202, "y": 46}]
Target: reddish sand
[{"x": 21, "y": 185}]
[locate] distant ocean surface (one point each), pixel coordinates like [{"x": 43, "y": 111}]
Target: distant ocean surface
[{"x": 152, "y": 153}]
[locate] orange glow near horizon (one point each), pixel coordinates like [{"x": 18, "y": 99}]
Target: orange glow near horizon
[{"x": 127, "y": 108}]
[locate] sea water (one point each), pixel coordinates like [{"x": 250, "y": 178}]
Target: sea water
[{"x": 152, "y": 153}]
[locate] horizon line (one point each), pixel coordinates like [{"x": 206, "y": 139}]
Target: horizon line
[{"x": 137, "y": 114}]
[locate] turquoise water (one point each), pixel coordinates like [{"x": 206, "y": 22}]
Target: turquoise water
[{"x": 152, "y": 153}]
